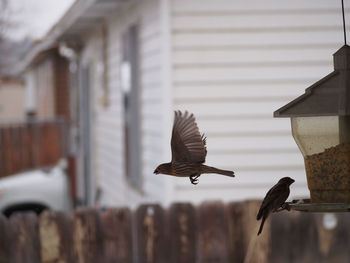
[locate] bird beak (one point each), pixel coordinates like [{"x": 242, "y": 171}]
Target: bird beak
[{"x": 156, "y": 171}]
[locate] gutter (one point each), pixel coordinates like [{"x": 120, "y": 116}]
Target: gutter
[{"x": 78, "y": 8}]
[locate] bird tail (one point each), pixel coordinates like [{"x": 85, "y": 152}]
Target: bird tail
[
  {"x": 261, "y": 225},
  {"x": 209, "y": 169},
  {"x": 259, "y": 215}
]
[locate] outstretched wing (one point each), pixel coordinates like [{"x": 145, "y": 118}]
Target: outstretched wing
[{"x": 187, "y": 144}]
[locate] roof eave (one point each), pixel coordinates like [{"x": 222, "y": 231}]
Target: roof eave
[
  {"x": 280, "y": 113},
  {"x": 67, "y": 28}
]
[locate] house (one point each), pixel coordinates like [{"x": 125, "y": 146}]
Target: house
[
  {"x": 12, "y": 92},
  {"x": 231, "y": 63},
  {"x": 34, "y": 121},
  {"x": 11, "y": 99},
  {"x": 45, "y": 104}
]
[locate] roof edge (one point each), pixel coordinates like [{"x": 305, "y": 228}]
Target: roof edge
[
  {"x": 69, "y": 17},
  {"x": 308, "y": 91}
]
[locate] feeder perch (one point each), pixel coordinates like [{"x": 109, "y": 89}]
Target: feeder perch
[
  {"x": 304, "y": 205},
  {"x": 320, "y": 120}
]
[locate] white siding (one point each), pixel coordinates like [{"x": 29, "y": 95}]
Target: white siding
[
  {"x": 116, "y": 189},
  {"x": 236, "y": 62},
  {"x": 90, "y": 57},
  {"x": 12, "y": 100},
  {"x": 40, "y": 89}
]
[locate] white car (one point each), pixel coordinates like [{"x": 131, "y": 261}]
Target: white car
[{"x": 36, "y": 191}]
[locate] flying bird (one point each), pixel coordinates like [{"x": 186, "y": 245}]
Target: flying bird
[
  {"x": 274, "y": 199},
  {"x": 188, "y": 149}
]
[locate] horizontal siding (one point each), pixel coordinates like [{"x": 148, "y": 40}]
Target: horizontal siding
[
  {"x": 246, "y": 160},
  {"x": 116, "y": 190},
  {"x": 233, "y": 91},
  {"x": 257, "y": 142},
  {"x": 204, "y": 74},
  {"x": 236, "y": 62},
  {"x": 214, "y": 108},
  {"x": 254, "y": 6},
  {"x": 251, "y": 39},
  {"x": 245, "y": 20},
  {"x": 244, "y": 127},
  {"x": 250, "y": 57}
]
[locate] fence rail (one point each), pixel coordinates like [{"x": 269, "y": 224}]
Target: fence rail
[
  {"x": 209, "y": 233},
  {"x": 31, "y": 145}
]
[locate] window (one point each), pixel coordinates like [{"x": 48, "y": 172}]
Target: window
[{"x": 131, "y": 104}]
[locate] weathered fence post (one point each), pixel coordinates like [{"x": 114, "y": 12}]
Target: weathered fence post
[
  {"x": 151, "y": 240},
  {"x": 212, "y": 233},
  {"x": 8, "y": 149},
  {"x": 55, "y": 229},
  {"x": 6, "y": 240},
  {"x": 2, "y": 154},
  {"x": 245, "y": 245},
  {"x": 117, "y": 225},
  {"x": 88, "y": 236},
  {"x": 26, "y": 244},
  {"x": 182, "y": 233},
  {"x": 50, "y": 134},
  {"x": 26, "y": 148},
  {"x": 235, "y": 213},
  {"x": 294, "y": 238},
  {"x": 17, "y": 149},
  {"x": 257, "y": 248},
  {"x": 334, "y": 237}
]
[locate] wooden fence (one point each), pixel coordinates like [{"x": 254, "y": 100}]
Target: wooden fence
[
  {"x": 209, "y": 233},
  {"x": 31, "y": 145}
]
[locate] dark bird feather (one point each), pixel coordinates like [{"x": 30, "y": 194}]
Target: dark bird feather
[
  {"x": 274, "y": 199},
  {"x": 188, "y": 149}
]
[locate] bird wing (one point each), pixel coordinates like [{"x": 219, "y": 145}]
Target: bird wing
[
  {"x": 187, "y": 144},
  {"x": 276, "y": 196}
]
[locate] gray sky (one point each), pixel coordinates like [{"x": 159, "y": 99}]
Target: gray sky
[{"x": 35, "y": 17}]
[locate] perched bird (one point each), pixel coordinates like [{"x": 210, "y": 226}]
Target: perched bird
[
  {"x": 274, "y": 199},
  {"x": 188, "y": 149}
]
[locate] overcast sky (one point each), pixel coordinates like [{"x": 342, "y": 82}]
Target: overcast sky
[{"x": 35, "y": 17}]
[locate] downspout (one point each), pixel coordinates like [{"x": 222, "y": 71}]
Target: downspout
[{"x": 72, "y": 55}]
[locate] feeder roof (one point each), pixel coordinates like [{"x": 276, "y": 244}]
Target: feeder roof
[{"x": 327, "y": 97}]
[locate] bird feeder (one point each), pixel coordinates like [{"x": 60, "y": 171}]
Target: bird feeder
[{"x": 320, "y": 120}]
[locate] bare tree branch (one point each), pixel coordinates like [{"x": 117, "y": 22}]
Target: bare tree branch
[{"x": 4, "y": 17}]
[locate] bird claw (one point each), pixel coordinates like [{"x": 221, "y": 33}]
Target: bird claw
[
  {"x": 194, "y": 179},
  {"x": 285, "y": 206}
]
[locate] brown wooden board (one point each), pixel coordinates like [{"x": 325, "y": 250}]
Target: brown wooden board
[
  {"x": 2, "y": 154},
  {"x": 294, "y": 238},
  {"x": 182, "y": 233},
  {"x": 26, "y": 245},
  {"x": 9, "y": 151},
  {"x": 31, "y": 146},
  {"x": 117, "y": 226},
  {"x": 88, "y": 236},
  {"x": 6, "y": 240},
  {"x": 151, "y": 239},
  {"x": 334, "y": 239},
  {"x": 212, "y": 233},
  {"x": 236, "y": 221},
  {"x": 55, "y": 230}
]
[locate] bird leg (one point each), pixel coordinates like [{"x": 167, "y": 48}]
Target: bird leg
[
  {"x": 194, "y": 179},
  {"x": 286, "y": 206}
]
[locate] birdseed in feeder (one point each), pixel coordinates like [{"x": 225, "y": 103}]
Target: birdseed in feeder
[{"x": 328, "y": 175}]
